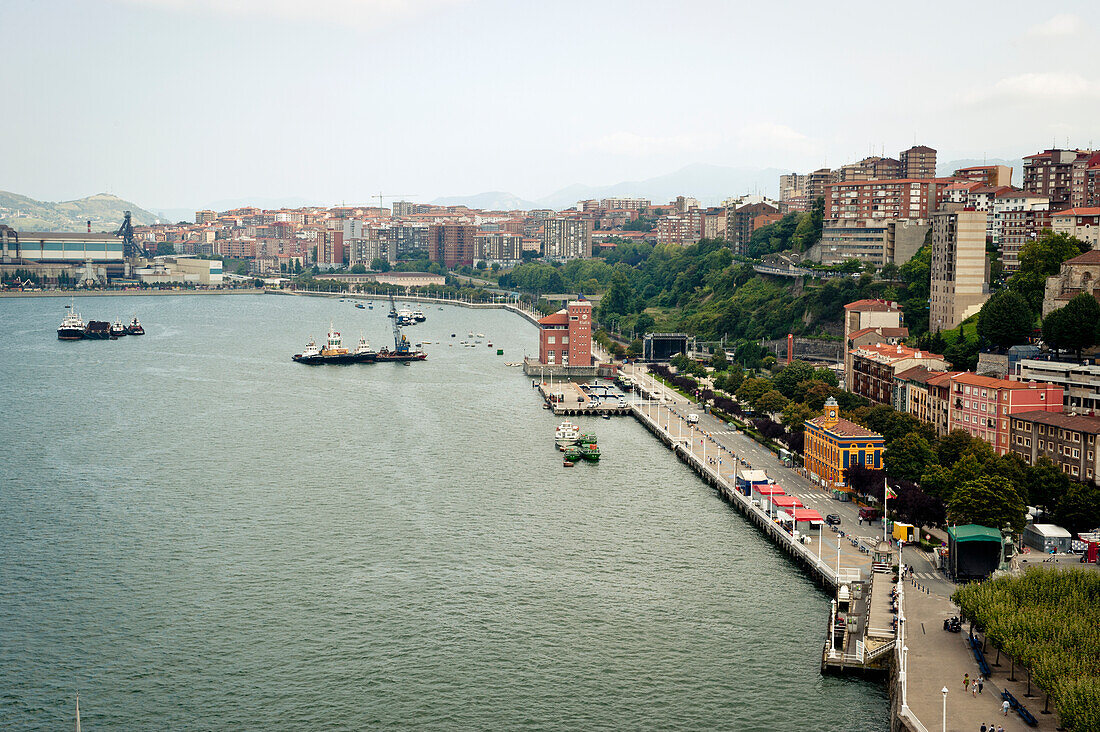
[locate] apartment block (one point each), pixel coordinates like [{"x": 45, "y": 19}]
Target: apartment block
[
  {"x": 564, "y": 238},
  {"x": 680, "y": 229},
  {"x": 879, "y": 241},
  {"x": 918, "y": 161},
  {"x": 205, "y": 217},
  {"x": 988, "y": 175},
  {"x": 629, "y": 204},
  {"x": 501, "y": 246},
  {"x": 983, "y": 406},
  {"x": 1070, "y": 441},
  {"x": 867, "y": 315},
  {"x": 902, "y": 198},
  {"x": 793, "y": 185},
  {"x": 925, "y": 394},
  {"x": 959, "y": 285},
  {"x": 1082, "y": 223},
  {"x": 453, "y": 244},
  {"x": 740, "y": 223},
  {"x": 1062, "y": 175},
  {"x": 1080, "y": 382},
  {"x": 874, "y": 367},
  {"x": 714, "y": 223}
]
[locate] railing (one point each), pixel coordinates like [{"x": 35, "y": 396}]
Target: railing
[{"x": 901, "y": 659}]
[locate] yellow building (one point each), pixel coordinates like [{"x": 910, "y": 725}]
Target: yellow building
[{"x": 834, "y": 444}]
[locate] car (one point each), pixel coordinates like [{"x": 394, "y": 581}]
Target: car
[
  {"x": 693, "y": 419},
  {"x": 833, "y": 519}
]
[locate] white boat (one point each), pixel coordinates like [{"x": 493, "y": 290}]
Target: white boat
[{"x": 567, "y": 433}]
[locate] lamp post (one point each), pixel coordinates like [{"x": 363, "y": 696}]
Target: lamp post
[{"x": 944, "y": 692}]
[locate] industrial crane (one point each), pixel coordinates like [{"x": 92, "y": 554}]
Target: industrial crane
[
  {"x": 129, "y": 248},
  {"x": 400, "y": 342}
]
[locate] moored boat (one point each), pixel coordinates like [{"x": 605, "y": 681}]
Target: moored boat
[
  {"x": 72, "y": 326},
  {"x": 97, "y": 330},
  {"x": 118, "y": 329},
  {"x": 134, "y": 328},
  {"x": 566, "y": 434},
  {"x": 334, "y": 351}
]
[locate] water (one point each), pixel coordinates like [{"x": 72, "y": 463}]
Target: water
[{"x": 198, "y": 533}]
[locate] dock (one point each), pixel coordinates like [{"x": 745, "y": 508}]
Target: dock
[{"x": 573, "y": 399}]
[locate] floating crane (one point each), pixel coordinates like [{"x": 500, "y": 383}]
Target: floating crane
[{"x": 400, "y": 342}]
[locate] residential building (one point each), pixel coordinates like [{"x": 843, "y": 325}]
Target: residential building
[
  {"x": 834, "y": 444},
  {"x": 793, "y": 185},
  {"x": 1069, "y": 440},
  {"x": 683, "y": 204},
  {"x": 959, "y": 285},
  {"x": 878, "y": 241},
  {"x": 205, "y": 217},
  {"x": 863, "y": 315},
  {"x": 992, "y": 363},
  {"x": 564, "y": 238},
  {"x": 1077, "y": 275},
  {"x": 1016, "y": 229},
  {"x": 680, "y": 229},
  {"x": 983, "y": 406},
  {"x": 1062, "y": 175},
  {"x": 819, "y": 179},
  {"x": 330, "y": 249},
  {"x": 454, "y": 245},
  {"x": 987, "y": 175},
  {"x": 926, "y": 395},
  {"x": 899, "y": 198},
  {"x": 565, "y": 337},
  {"x": 1082, "y": 223},
  {"x": 1080, "y": 382},
  {"x": 871, "y": 168},
  {"x": 714, "y": 223},
  {"x": 918, "y": 161},
  {"x": 874, "y": 367},
  {"x": 630, "y": 204},
  {"x": 500, "y": 246},
  {"x": 740, "y": 223}
]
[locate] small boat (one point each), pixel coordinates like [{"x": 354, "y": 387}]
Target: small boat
[
  {"x": 359, "y": 305},
  {"x": 118, "y": 329},
  {"x": 134, "y": 328},
  {"x": 567, "y": 463},
  {"x": 606, "y": 415},
  {"x": 567, "y": 433},
  {"x": 419, "y": 316}
]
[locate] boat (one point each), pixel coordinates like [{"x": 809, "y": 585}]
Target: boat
[
  {"x": 334, "y": 351},
  {"x": 72, "y": 326},
  {"x": 97, "y": 330},
  {"x": 118, "y": 329},
  {"x": 359, "y": 305},
  {"x": 134, "y": 328},
  {"x": 419, "y": 316},
  {"x": 591, "y": 453},
  {"x": 567, "y": 463},
  {"x": 567, "y": 433},
  {"x": 573, "y": 454},
  {"x": 401, "y": 352}
]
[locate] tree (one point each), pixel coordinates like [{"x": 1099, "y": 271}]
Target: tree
[
  {"x": 771, "y": 402},
  {"x": 795, "y": 416},
  {"x": 752, "y": 389},
  {"x": 1040, "y": 259},
  {"x": 1005, "y": 320},
  {"x": 790, "y": 376},
  {"x": 987, "y": 501},
  {"x": 165, "y": 248},
  {"x": 379, "y": 265},
  {"x": 1079, "y": 509},
  {"x": 358, "y": 269},
  {"x": 1046, "y": 484},
  {"x": 917, "y": 507},
  {"x": 908, "y": 457},
  {"x": 952, "y": 447},
  {"x": 718, "y": 359},
  {"x": 936, "y": 481},
  {"x": 1074, "y": 327}
]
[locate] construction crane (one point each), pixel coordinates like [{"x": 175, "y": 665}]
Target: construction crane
[{"x": 380, "y": 196}]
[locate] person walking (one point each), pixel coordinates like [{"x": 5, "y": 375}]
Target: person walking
[
  {"x": 1004, "y": 708},
  {"x": 981, "y": 684},
  {"x": 974, "y": 689},
  {"x": 984, "y": 727},
  {"x": 966, "y": 682}
]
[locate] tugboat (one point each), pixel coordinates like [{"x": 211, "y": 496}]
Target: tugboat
[
  {"x": 118, "y": 329},
  {"x": 72, "y": 326},
  {"x": 134, "y": 328},
  {"x": 334, "y": 351},
  {"x": 97, "y": 330},
  {"x": 401, "y": 349},
  {"x": 419, "y": 316}
]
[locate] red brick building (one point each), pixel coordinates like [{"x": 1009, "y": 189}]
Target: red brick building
[
  {"x": 982, "y": 405},
  {"x": 899, "y": 198},
  {"x": 565, "y": 337}
]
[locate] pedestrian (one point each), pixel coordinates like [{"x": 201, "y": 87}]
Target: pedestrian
[
  {"x": 1000, "y": 728},
  {"x": 974, "y": 689},
  {"x": 984, "y": 727},
  {"x": 981, "y": 683},
  {"x": 1004, "y": 707},
  {"x": 966, "y": 681}
]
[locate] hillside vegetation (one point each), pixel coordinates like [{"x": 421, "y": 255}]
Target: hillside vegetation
[{"x": 103, "y": 210}]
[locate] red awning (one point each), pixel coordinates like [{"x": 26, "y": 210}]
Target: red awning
[
  {"x": 768, "y": 490},
  {"x": 786, "y": 501},
  {"x": 807, "y": 514}
]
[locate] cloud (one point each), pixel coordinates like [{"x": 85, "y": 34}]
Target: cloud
[
  {"x": 761, "y": 134},
  {"x": 1031, "y": 87},
  {"x": 360, "y": 13},
  {"x": 1063, "y": 24}
]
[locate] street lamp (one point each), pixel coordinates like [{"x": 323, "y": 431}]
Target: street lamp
[{"x": 944, "y": 692}]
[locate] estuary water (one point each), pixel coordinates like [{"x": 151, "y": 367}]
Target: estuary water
[{"x": 197, "y": 533}]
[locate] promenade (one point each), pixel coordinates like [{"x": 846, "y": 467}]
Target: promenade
[{"x": 933, "y": 657}]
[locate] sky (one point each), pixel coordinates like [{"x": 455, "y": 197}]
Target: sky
[{"x": 181, "y": 103}]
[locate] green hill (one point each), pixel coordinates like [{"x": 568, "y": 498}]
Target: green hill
[{"x": 103, "y": 210}]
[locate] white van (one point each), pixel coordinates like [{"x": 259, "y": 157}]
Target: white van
[{"x": 693, "y": 419}]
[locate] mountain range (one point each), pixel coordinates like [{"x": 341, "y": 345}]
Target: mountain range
[{"x": 104, "y": 210}]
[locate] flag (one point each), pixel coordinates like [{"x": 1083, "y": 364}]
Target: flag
[{"x": 890, "y": 493}]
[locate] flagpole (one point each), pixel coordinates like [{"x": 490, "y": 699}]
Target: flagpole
[{"x": 885, "y": 498}]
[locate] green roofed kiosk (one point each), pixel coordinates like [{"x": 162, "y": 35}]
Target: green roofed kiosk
[{"x": 975, "y": 552}]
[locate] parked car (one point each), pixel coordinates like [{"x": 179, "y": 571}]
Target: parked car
[
  {"x": 693, "y": 419},
  {"x": 833, "y": 519}
]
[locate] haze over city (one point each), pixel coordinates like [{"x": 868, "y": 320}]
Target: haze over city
[{"x": 182, "y": 104}]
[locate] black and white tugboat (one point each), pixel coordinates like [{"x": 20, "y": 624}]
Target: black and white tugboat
[
  {"x": 134, "y": 328},
  {"x": 334, "y": 351},
  {"x": 118, "y": 329},
  {"x": 72, "y": 326}
]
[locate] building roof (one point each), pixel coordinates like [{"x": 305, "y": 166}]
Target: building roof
[
  {"x": 1075, "y": 422},
  {"x": 1090, "y": 257},
  {"x": 65, "y": 236},
  {"x": 920, "y": 374},
  {"x": 1080, "y": 211},
  {"x": 972, "y": 379},
  {"x": 559, "y": 318},
  {"x": 807, "y": 514},
  {"x": 1051, "y": 531},
  {"x": 845, "y": 428},
  {"x": 973, "y": 532},
  {"x": 886, "y": 353},
  {"x": 873, "y": 306},
  {"x": 884, "y": 332}
]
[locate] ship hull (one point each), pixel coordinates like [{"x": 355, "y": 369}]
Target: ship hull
[
  {"x": 417, "y": 356},
  {"x": 135, "y": 331},
  {"x": 97, "y": 331},
  {"x": 341, "y": 359},
  {"x": 70, "y": 334}
]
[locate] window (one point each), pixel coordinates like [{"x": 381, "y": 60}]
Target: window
[
  {"x": 551, "y": 339},
  {"x": 1027, "y": 442},
  {"x": 1076, "y": 453}
]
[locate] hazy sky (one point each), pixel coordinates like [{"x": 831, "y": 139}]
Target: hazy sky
[{"x": 184, "y": 102}]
